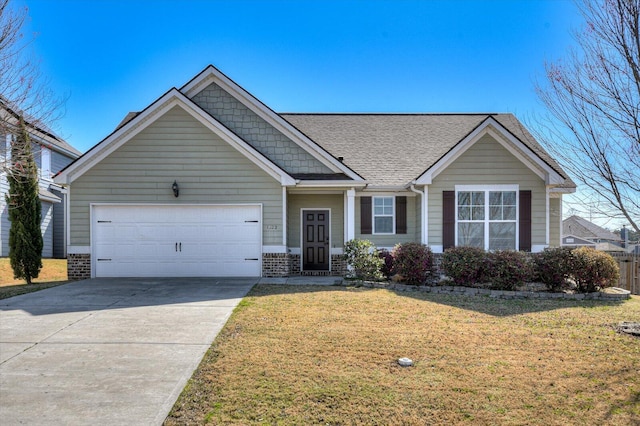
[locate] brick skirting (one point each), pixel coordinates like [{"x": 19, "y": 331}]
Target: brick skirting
[
  {"x": 273, "y": 265},
  {"x": 78, "y": 266}
]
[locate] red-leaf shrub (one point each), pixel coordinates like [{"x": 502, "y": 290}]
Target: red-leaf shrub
[
  {"x": 508, "y": 269},
  {"x": 554, "y": 266},
  {"x": 413, "y": 261},
  {"x": 594, "y": 270},
  {"x": 464, "y": 265}
]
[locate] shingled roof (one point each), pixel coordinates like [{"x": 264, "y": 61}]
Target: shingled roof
[
  {"x": 395, "y": 149},
  {"x": 43, "y": 134},
  {"x": 582, "y": 228}
]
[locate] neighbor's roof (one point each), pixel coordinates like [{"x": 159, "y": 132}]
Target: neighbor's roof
[
  {"x": 42, "y": 134},
  {"x": 580, "y": 227},
  {"x": 395, "y": 149}
]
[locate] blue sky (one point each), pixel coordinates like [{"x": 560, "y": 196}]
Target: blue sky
[{"x": 110, "y": 57}]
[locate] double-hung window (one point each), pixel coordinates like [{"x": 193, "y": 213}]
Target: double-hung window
[
  {"x": 487, "y": 216},
  {"x": 383, "y": 215}
]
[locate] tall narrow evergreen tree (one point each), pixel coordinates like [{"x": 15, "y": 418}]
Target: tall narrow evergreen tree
[{"x": 25, "y": 236}]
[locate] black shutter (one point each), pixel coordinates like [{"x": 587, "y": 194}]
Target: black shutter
[
  {"x": 448, "y": 219},
  {"x": 525, "y": 221},
  {"x": 401, "y": 215},
  {"x": 365, "y": 215}
]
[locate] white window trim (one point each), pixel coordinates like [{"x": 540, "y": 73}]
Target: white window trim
[
  {"x": 373, "y": 215},
  {"x": 486, "y": 189}
]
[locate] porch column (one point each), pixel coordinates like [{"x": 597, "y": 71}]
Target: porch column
[{"x": 350, "y": 215}]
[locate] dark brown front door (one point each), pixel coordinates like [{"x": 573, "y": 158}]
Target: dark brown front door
[{"x": 315, "y": 237}]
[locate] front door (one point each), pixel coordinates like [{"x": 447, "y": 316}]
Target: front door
[{"x": 315, "y": 237}]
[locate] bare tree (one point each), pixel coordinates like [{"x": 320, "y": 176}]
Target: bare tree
[
  {"x": 593, "y": 103},
  {"x": 23, "y": 91}
]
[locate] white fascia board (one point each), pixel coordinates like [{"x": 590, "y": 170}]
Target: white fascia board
[
  {"x": 409, "y": 194},
  {"x": 160, "y": 107},
  {"x": 503, "y": 137},
  {"x": 387, "y": 188},
  {"x": 213, "y": 75},
  {"x": 330, "y": 184},
  {"x": 556, "y": 190}
]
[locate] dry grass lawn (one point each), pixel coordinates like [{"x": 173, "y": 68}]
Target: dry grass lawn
[
  {"x": 53, "y": 273},
  {"x": 327, "y": 355}
]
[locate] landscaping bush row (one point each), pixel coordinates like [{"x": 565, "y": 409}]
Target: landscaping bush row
[
  {"x": 409, "y": 262},
  {"x": 584, "y": 269}
]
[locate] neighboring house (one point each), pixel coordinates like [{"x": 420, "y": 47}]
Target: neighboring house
[
  {"x": 51, "y": 154},
  {"x": 578, "y": 231},
  {"x": 209, "y": 181}
]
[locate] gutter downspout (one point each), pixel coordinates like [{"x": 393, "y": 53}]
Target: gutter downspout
[{"x": 423, "y": 222}]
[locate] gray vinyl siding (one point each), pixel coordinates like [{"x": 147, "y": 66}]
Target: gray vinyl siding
[
  {"x": 488, "y": 163},
  {"x": 59, "y": 236},
  {"x": 413, "y": 232},
  {"x": 555, "y": 221},
  {"x": 297, "y": 202},
  {"x": 46, "y": 226},
  {"x": 257, "y": 132},
  {"x": 175, "y": 147},
  {"x": 59, "y": 161}
]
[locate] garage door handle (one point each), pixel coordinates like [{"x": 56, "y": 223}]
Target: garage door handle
[
  {"x": 176, "y": 247},
  {"x": 180, "y": 246},
  {"x": 250, "y": 221},
  {"x": 251, "y": 258}
]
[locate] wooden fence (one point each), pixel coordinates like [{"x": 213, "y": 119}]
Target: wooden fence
[{"x": 629, "y": 271}]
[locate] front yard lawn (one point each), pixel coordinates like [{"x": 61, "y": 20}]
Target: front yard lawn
[
  {"x": 53, "y": 273},
  {"x": 327, "y": 355}
]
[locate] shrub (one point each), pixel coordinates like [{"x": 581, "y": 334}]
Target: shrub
[
  {"x": 464, "y": 265},
  {"x": 387, "y": 263},
  {"x": 362, "y": 256},
  {"x": 507, "y": 269},
  {"x": 594, "y": 270},
  {"x": 553, "y": 267},
  {"x": 413, "y": 261}
]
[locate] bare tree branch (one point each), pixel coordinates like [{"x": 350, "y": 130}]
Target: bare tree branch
[{"x": 593, "y": 104}]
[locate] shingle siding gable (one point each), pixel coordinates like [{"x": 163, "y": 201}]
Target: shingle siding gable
[{"x": 257, "y": 132}]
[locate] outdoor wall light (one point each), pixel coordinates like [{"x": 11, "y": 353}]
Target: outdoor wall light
[{"x": 175, "y": 188}]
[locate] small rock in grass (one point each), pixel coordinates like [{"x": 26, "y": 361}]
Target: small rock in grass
[{"x": 405, "y": 362}]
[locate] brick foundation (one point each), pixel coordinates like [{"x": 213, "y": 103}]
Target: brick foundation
[
  {"x": 275, "y": 265},
  {"x": 338, "y": 265},
  {"x": 78, "y": 266},
  {"x": 294, "y": 265}
]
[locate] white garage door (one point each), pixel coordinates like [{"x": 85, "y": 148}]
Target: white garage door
[{"x": 177, "y": 241}]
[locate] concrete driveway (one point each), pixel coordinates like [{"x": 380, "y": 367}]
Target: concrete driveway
[{"x": 107, "y": 351}]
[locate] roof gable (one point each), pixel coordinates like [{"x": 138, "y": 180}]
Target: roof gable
[
  {"x": 502, "y": 135},
  {"x": 211, "y": 88},
  {"x": 142, "y": 120}
]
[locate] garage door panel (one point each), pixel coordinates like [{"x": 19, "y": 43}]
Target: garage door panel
[{"x": 180, "y": 241}]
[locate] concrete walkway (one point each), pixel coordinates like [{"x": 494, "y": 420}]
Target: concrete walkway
[
  {"x": 107, "y": 351},
  {"x": 304, "y": 280}
]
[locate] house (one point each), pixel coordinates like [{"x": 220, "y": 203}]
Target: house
[
  {"x": 209, "y": 181},
  {"x": 51, "y": 154},
  {"x": 577, "y": 231}
]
